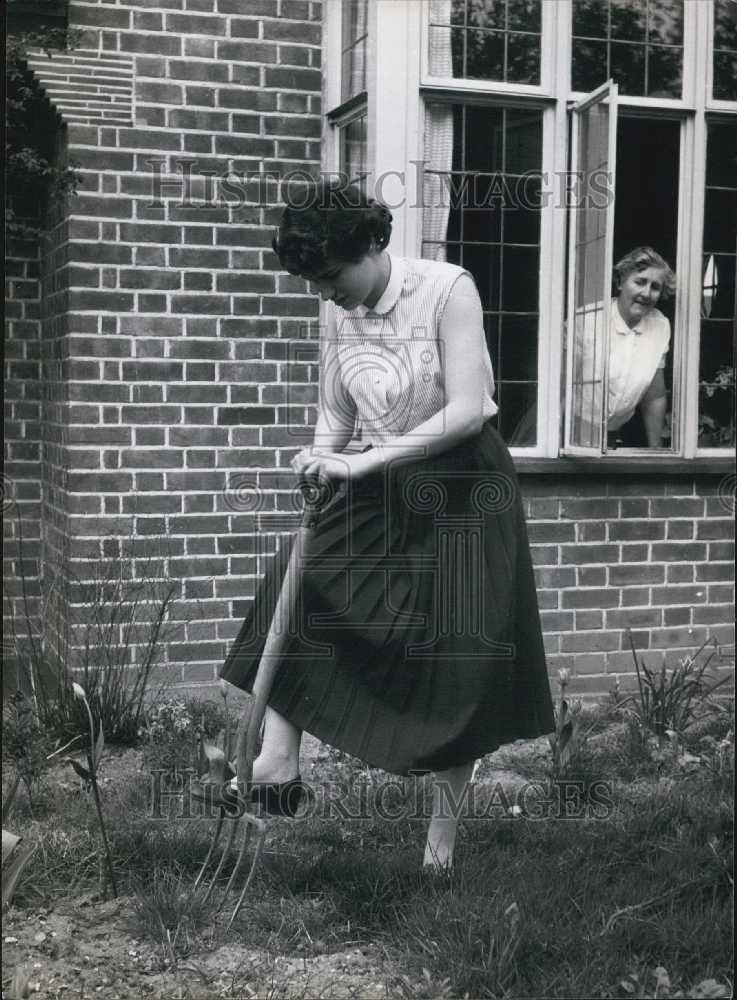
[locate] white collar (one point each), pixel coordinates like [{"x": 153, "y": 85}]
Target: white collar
[
  {"x": 619, "y": 324},
  {"x": 390, "y": 295}
]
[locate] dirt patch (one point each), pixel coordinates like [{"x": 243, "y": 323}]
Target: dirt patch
[{"x": 84, "y": 948}]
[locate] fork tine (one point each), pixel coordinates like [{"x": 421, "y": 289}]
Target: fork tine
[
  {"x": 261, "y": 837},
  {"x": 221, "y": 863},
  {"x": 211, "y": 851},
  {"x": 250, "y": 821},
  {"x": 249, "y": 726}
]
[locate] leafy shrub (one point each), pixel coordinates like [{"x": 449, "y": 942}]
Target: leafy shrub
[
  {"x": 668, "y": 699},
  {"x": 35, "y": 177}
]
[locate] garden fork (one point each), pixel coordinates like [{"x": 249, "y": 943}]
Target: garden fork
[{"x": 249, "y": 726}]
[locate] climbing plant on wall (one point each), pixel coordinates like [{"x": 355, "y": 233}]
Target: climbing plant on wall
[{"x": 36, "y": 171}]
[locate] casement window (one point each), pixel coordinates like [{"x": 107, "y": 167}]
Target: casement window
[
  {"x": 536, "y": 143},
  {"x": 346, "y": 94}
]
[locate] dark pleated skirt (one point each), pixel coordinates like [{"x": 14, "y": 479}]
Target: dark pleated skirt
[{"x": 416, "y": 642}]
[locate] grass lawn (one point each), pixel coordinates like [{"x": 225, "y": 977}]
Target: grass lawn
[{"x": 616, "y": 882}]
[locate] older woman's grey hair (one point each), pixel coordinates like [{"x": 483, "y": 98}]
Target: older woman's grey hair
[{"x": 640, "y": 259}]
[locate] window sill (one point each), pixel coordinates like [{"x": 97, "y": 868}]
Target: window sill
[{"x": 635, "y": 465}]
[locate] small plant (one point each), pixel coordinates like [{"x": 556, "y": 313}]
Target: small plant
[
  {"x": 112, "y": 647},
  {"x": 25, "y": 745},
  {"x": 170, "y": 735},
  {"x": 89, "y": 775},
  {"x": 167, "y": 912},
  {"x": 175, "y": 731},
  {"x": 668, "y": 698},
  {"x": 566, "y": 741}
]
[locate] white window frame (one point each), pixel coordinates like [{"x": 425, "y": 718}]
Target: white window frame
[
  {"x": 396, "y": 93},
  {"x": 607, "y": 93}
]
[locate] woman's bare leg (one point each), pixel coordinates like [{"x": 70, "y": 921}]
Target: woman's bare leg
[
  {"x": 279, "y": 757},
  {"x": 447, "y": 798},
  {"x": 278, "y": 760}
]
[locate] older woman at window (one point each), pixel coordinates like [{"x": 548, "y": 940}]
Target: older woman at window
[{"x": 639, "y": 340}]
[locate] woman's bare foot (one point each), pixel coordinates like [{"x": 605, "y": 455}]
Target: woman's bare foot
[
  {"x": 447, "y": 802},
  {"x": 441, "y": 838},
  {"x": 279, "y": 758},
  {"x": 275, "y": 768}
]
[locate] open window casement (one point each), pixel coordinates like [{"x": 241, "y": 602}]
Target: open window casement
[{"x": 590, "y": 261}]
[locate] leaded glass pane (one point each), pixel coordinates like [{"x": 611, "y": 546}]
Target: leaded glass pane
[
  {"x": 482, "y": 210},
  {"x": 486, "y": 40},
  {"x": 719, "y": 268},
  {"x": 725, "y": 50},
  {"x": 637, "y": 43}
]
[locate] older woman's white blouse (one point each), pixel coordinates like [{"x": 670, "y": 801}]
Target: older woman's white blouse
[
  {"x": 635, "y": 354},
  {"x": 390, "y": 356}
]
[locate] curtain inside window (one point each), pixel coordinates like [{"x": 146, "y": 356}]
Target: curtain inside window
[{"x": 438, "y": 143}]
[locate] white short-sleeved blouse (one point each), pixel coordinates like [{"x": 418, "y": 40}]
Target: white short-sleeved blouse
[
  {"x": 635, "y": 354},
  {"x": 390, "y": 356}
]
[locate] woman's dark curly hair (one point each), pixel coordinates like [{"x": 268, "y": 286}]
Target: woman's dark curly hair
[{"x": 329, "y": 220}]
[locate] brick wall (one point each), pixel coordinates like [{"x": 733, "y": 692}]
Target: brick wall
[
  {"x": 22, "y": 456},
  {"x": 175, "y": 355},
  {"x": 651, "y": 553},
  {"x": 181, "y": 365}
]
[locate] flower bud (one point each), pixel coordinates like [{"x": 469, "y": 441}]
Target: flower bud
[{"x": 79, "y": 691}]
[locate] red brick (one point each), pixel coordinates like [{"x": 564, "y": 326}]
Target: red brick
[
  {"x": 589, "y": 620},
  {"x": 719, "y": 593},
  {"x": 101, "y": 482},
  {"x": 556, "y": 621},
  {"x": 633, "y": 617},
  {"x": 590, "y": 598},
  {"x": 101, "y": 17},
  {"x": 589, "y": 642},
  {"x": 634, "y": 553},
  {"x": 147, "y": 20},
  {"x": 680, "y": 530},
  {"x": 194, "y": 24},
  {"x": 677, "y": 507},
  {"x": 593, "y": 508},
  {"x": 580, "y": 554},
  {"x": 200, "y": 257},
  {"x": 713, "y": 614},
  {"x": 624, "y": 575},
  {"x": 635, "y": 596},
  {"x": 591, "y": 576},
  {"x": 589, "y": 663},
  {"x": 631, "y": 530},
  {"x": 678, "y": 595},
  {"x": 676, "y": 616},
  {"x": 148, "y": 233},
  {"x": 248, "y": 52},
  {"x": 159, "y": 44},
  {"x": 719, "y": 551},
  {"x": 714, "y": 571},
  {"x": 590, "y": 531},
  {"x": 246, "y": 415},
  {"x": 297, "y": 9},
  {"x": 634, "y": 508},
  {"x": 268, "y": 8},
  {"x": 674, "y": 552},
  {"x": 715, "y": 528},
  {"x": 204, "y": 71},
  {"x": 242, "y": 27},
  {"x": 296, "y": 55},
  {"x": 294, "y": 79},
  {"x": 550, "y": 531},
  {"x": 680, "y": 573}
]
